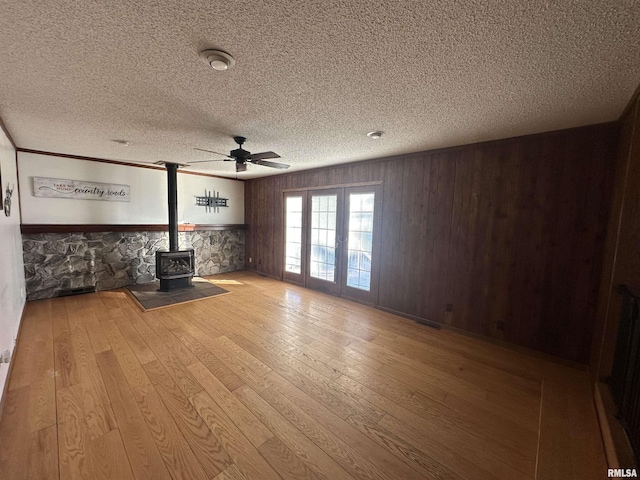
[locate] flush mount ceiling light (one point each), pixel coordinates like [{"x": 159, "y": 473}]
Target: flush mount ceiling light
[
  {"x": 375, "y": 135},
  {"x": 217, "y": 59}
]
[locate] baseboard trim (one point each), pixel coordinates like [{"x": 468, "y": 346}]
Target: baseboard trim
[
  {"x": 518, "y": 348},
  {"x": 12, "y": 362},
  {"x": 616, "y": 443},
  {"x": 605, "y": 429},
  {"x": 415, "y": 318},
  {"x": 265, "y": 274}
]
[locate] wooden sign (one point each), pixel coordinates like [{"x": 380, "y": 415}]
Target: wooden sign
[{"x": 80, "y": 190}]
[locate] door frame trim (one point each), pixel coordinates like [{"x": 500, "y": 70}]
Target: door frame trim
[{"x": 337, "y": 185}]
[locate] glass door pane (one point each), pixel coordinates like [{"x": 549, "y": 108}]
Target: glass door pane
[
  {"x": 293, "y": 235},
  {"x": 360, "y": 240},
  {"x": 358, "y": 262},
  {"x": 322, "y": 264}
]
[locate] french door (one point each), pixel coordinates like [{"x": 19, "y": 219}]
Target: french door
[{"x": 331, "y": 240}]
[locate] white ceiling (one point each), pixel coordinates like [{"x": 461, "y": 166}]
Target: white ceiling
[{"x": 312, "y": 77}]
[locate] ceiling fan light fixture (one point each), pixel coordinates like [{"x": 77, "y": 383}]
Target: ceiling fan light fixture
[
  {"x": 217, "y": 59},
  {"x": 377, "y": 135}
]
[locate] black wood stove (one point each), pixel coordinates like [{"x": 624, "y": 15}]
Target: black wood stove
[{"x": 174, "y": 268}]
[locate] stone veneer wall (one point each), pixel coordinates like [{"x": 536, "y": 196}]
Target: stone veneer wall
[{"x": 106, "y": 260}]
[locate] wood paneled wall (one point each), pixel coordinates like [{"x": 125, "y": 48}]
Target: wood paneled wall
[
  {"x": 622, "y": 253},
  {"x": 508, "y": 231}
]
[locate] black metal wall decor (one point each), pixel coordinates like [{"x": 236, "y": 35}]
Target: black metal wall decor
[
  {"x": 7, "y": 200},
  {"x": 212, "y": 203}
]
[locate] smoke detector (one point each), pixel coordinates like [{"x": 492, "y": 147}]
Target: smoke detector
[{"x": 217, "y": 59}]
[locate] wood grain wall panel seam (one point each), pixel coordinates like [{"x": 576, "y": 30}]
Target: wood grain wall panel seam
[{"x": 442, "y": 235}]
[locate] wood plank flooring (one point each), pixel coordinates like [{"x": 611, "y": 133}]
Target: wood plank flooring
[{"x": 275, "y": 381}]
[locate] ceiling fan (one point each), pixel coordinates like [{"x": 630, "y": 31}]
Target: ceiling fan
[{"x": 242, "y": 157}]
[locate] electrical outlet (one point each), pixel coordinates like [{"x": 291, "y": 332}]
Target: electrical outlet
[{"x": 250, "y": 259}]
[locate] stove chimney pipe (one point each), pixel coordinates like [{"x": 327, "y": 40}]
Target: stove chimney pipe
[{"x": 172, "y": 190}]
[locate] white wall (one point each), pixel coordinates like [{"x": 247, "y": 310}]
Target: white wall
[
  {"x": 12, "y": 286},
  {"x": 148, "y": 203}
]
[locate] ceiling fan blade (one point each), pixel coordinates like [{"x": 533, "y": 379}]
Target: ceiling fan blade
[
  {"x": 241, "y": 167},
  {"x": 211, "y": 151},
  {"x": 263, "y": 155},
  {"x": 265, "y": 163}
]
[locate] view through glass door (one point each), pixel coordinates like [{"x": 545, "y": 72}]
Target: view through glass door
[
  {"x": 322, "y": 240},
  {"x": 359, "y": 258},
  {"x": 330, "y": 240}
]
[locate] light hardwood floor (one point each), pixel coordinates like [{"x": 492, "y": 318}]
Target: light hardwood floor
[{"x": 276, "y": 381}]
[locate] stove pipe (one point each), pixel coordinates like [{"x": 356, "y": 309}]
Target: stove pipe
[{"x": 172, "y": 190}]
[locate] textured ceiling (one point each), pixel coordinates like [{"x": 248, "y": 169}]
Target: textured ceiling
[{"x": 312, "y": 77}]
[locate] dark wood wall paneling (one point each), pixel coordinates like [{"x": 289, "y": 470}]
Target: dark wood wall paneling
[
  {"x": 508, "y": 231},
  {"x": 622, "y": 252}
]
